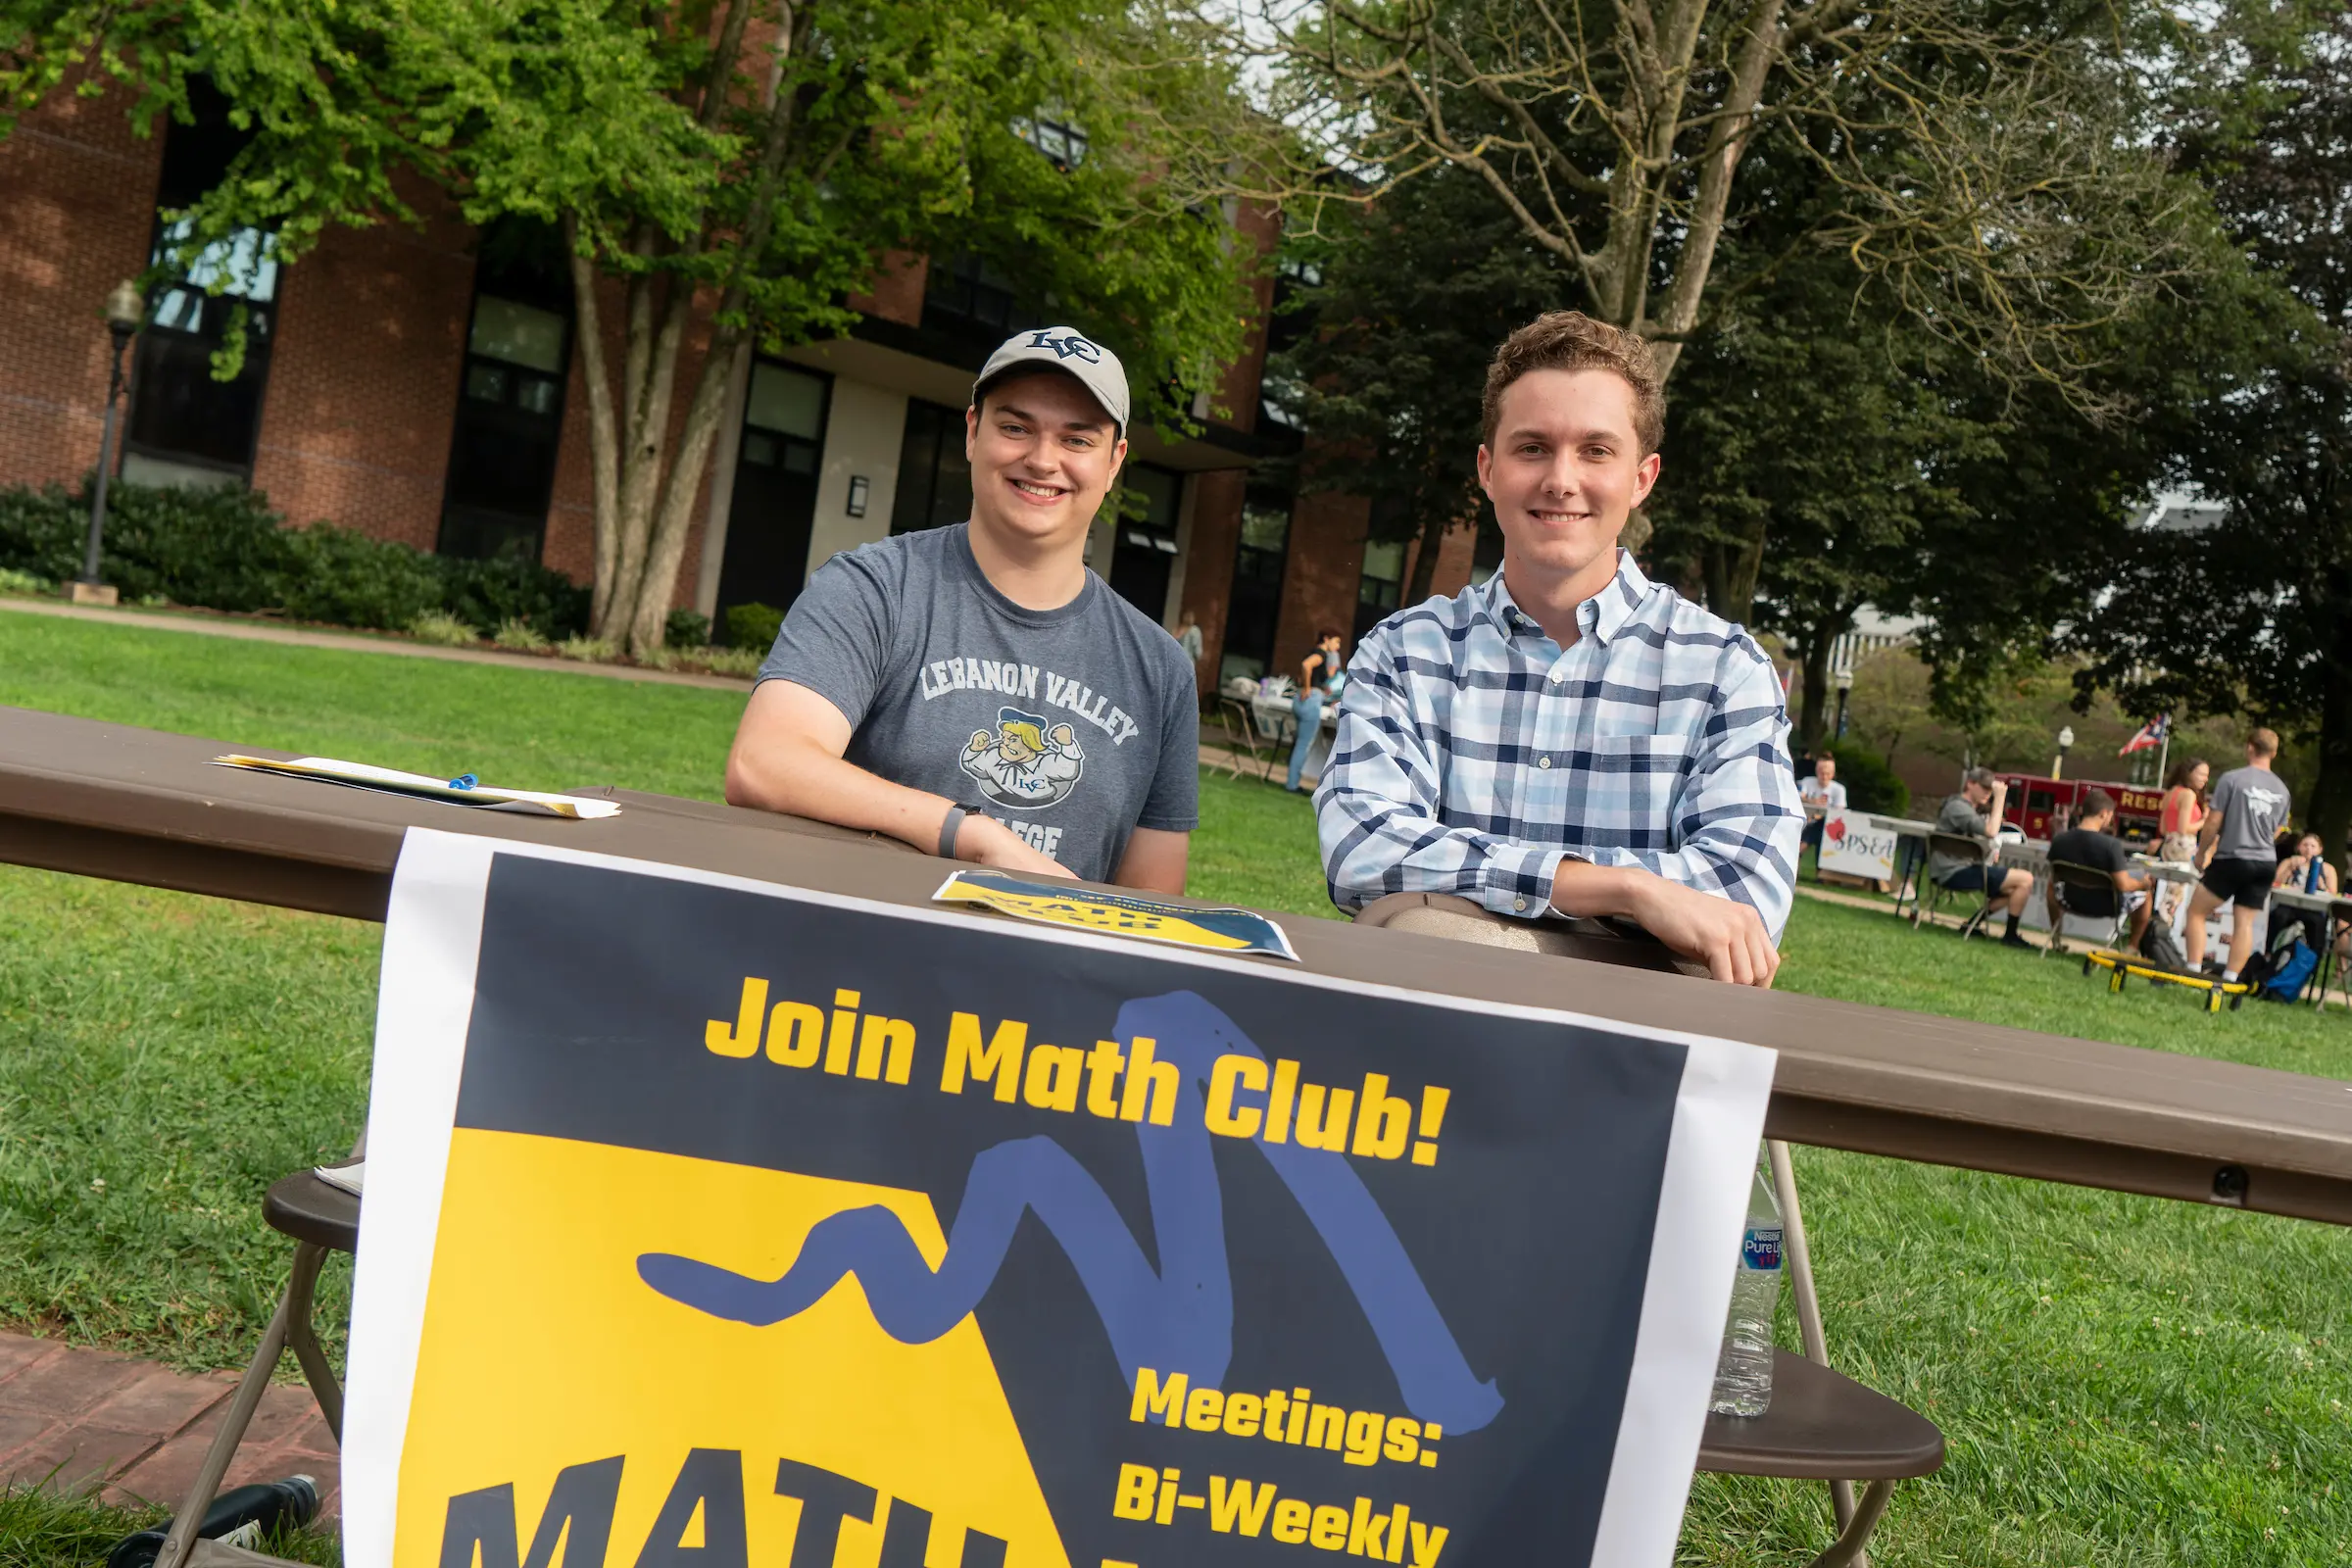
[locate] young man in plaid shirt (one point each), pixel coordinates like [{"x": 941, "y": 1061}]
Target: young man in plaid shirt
[{"x": 1570, "y": 738}]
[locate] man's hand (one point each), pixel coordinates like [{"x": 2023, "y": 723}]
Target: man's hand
[
  {"x": 991, "y": 843},
  {"x": 1724, "y": 934}
]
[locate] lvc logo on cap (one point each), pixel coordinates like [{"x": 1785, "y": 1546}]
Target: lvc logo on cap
[{"x": 1070, "y": 346}]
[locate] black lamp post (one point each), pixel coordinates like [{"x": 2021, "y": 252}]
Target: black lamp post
[
  {"x": 125, "y": 308},
  {"x": 1845, "y": 687}
]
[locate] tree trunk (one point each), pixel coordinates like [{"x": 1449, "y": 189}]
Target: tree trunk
[
  {"x": 2331, "y": 792},
  {"x": 1813, "y": 723},
  {"x": 1425, "y": 557},
  {"x": 1732, "y": 567}
]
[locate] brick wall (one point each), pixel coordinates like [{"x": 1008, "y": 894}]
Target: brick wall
[
  {"x": 1237, "y": 391},
  {"x": 897, "y": 288},
  {"x": 363, "y": 393},
  {"x": 77, "y": 195},
  {"x": 1209, "y": 563},
  {"x": 570, "y": 541},
  {"x": 1325, "y": 569}
]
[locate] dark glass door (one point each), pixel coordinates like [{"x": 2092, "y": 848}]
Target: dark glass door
[
  {"x": 774, "y": 504},
  {"x": 935, "y": 480},
  {"x": 509, "y": 424},
  {"x": 1140, "y": 564},
  {"x": 1258, "y": 566}
]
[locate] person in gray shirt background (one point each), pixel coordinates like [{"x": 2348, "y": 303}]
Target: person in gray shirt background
[
  {"x": 975, "y": 691},
  {"x": 1976, "y": 814},
  {"x": 2242, "y": 831}
]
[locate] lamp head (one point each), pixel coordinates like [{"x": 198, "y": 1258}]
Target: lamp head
[
  {"x": 125, "y": 308},
  {"x": 2066, "y": 736},
  {"x": 1845, "y": 680}
]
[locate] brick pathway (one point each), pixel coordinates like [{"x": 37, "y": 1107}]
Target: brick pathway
[{"x": 133, "y": 1432}]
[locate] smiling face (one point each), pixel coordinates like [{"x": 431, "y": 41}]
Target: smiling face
[
  {"x": 1044, "y": 455},
  {"x": 1564, "y": 470},
  {"x": 2199, "y": 774}
]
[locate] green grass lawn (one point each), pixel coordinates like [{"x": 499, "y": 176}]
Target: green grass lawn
[{"x": 2123, "y": 1381}]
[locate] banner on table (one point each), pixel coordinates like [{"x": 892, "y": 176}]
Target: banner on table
[
  {"x": 1852, "y": 846},
  {"x": 711, "y": 1223}
]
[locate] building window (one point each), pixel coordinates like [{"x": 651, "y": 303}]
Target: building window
[
  {"x": 185, "y": 427},
  {"x": 1258, "y": 561},
  {"x": 935, "y": 478},
  {"x": 1063, "y": 143},
  {"x": 968, "y": 292},
  {"x": 510, "y": 420},
  {"x": 1377, "y": 588},
  {"x": 1145, "y": 554}
]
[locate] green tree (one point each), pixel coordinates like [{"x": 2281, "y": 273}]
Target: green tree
[
  {"x": 1989, "y": 161},
  {"x": 1410, "y": 297},
  {"x": 2254, "y": 616},
  {"x": 716, "y": 168}
]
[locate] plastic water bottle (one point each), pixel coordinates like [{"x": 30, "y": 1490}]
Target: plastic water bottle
[{"x": 1743, "y": 1373}]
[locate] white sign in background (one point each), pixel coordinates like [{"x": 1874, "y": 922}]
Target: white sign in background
[{"x": 1852, "y": 847}]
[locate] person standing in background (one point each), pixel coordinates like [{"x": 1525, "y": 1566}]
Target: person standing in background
[
  {"x": 2182, "y": 813},
  {"x": 2250, "y": 804},
  {"x": 1189, "y": 638},
  {"x": 1321, "y": 674},
  {"x": 1821, "y": 794}
]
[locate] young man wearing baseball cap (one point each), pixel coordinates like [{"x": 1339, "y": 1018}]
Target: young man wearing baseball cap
[{"x": 975, "y": 690}]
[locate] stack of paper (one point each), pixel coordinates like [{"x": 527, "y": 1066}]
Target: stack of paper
[{"x": 422, "y": 786}]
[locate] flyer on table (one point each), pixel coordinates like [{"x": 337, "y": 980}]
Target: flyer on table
[{"x": 711, "y": 1223}]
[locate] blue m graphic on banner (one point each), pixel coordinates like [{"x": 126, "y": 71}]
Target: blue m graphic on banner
[{"x": 1177, "y": 1319}]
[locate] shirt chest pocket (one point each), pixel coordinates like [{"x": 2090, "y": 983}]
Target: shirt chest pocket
[{"x": 1634, "y": 757}]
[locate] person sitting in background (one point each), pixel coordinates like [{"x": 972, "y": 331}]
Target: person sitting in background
[
  {"x": 1976, "y": 812},
  {"x": 2088, "y": 843},
  {"x": 2307, "y": 872},
  {"x": 1821, "y": 794},
  {"x": 2250, "y": 804},
  {"x": 1321, "y": 674}
]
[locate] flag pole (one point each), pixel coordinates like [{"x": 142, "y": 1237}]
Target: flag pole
[{"x": 2164, "y": 753}]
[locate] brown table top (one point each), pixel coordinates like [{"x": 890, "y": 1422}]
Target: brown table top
[{"x": 140, "y": 805}]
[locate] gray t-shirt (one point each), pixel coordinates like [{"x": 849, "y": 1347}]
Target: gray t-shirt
[
  {"x": 2252, "y": 804},
  {"x": 1957, "y": 816},
  {"x": 1071, "y": 727}
]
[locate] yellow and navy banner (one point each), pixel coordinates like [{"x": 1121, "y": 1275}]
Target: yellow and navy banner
[
  {"x": 1215, "y": 930},
  {"x": 711, "y": 1224}
]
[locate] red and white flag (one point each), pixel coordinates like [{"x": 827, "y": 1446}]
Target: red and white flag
[{"x": 2151, "y": 735}]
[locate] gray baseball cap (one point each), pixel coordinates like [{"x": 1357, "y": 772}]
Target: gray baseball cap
[{"x": 1069, "y": 351}]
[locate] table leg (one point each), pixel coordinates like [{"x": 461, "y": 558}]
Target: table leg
[{"x": 1808, "y": 1300}]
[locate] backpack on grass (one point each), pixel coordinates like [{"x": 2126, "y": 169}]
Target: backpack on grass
[
  {"x": 2162, "y": 948},
  {"x": 2290, "y": 971}
]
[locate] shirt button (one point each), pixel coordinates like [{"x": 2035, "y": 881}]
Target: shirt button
[
  {"x": 1542, "y": 762},
  {"x": 1557, "y": 678},
  {"x": 1520, "y": 905}
]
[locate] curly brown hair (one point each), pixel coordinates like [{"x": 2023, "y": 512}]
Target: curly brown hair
[{"x": 1571, "y": 340}]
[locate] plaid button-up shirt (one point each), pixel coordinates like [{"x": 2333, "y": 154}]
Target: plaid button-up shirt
[{"x": 1474, "y": 754}]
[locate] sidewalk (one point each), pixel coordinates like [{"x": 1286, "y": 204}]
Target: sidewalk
[
  {"x": 261, "y": 631},
  {"x": 133, "y": 1432}
]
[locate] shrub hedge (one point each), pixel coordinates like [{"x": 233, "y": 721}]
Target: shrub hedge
[
  {"x": 1870, "y": 784},
  {"x": 227, "y": 549}
]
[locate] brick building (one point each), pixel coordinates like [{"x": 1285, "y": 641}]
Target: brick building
[{"x": 421, "y": 384}]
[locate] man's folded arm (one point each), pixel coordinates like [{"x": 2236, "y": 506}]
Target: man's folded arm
[
  {"x": 1739, "y": 817},
  {"x": 1376, "y": 812}
]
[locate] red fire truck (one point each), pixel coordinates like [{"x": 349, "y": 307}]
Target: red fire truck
[{"x": 2034, "y": 804}]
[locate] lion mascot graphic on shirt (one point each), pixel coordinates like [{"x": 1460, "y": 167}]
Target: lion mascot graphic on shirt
[{"x": 1024, "y": 763}]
